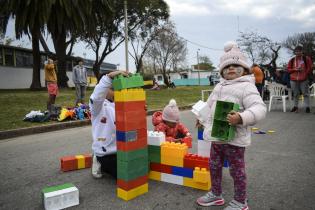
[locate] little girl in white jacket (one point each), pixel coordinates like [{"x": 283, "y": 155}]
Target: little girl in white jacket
[
  {"x": 236, "y": 86},
  {"x": 102, "y": 109}
]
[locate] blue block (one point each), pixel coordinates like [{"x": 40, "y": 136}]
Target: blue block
[
  {"x": 200, "y": 134},
  {"x": 126, "y": 136},
  {"x": 185, "y": 172},
  {"x": 226, "y": 163}
]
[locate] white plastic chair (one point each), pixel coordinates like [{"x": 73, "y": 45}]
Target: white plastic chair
[
  {"x": 312, "y": 90},
  {"x": 277, "y": 91}
]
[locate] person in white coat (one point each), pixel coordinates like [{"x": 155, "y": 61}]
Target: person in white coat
[
  {"x": 102, "y": 109},
  {"x": 236, "y": 86}
]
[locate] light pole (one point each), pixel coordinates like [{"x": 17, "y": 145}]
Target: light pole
[
  {"x": 198, "y": 66},
  {"x": 126, "y": 35}
]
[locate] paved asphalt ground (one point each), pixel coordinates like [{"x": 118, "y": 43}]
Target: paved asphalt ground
[{"x": 280, "y": 170}]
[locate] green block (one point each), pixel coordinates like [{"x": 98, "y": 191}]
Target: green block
[
  {"x": 129, "y": 170},
  {"x": 56, "y": 188},
  {"x": 221, "y": 128},
  {"x": 154, "y": 153},
  {"x": 223, "y": 108},
  {"x": 120, "y": 82},
  {"x": 133, "y": 154}
]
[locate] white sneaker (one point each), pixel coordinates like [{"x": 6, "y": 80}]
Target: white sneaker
[
  {"x": 235, "y": 205},
  {"x": 96, "y": 168}
]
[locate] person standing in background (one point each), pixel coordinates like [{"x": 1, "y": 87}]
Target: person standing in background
[
  {"x": 299, "y": 68},
  {"x": 79, "y": 77},
  {"x": 51, "y": 83},
  {"x": 259, "y": 77}
]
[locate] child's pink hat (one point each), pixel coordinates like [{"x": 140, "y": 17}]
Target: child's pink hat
[{"x": 171, "y": 112}]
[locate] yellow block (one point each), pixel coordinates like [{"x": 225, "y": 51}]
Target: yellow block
[
  {"x": 133, "y": 94},
  {"x": 155, "y": 175},
  {"x": 148, "y": 82},
  {"x": 81, "y": 161},
  {"x": 173, "y": 153},
  {"x": 201, "y": 175},
  {"x": 189, "y": 182},
  {"x": 255, "y": 129},
  {"x": 128, "y": 195}
]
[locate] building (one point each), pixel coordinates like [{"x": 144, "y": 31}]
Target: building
[
  {"x": 16, "y": 67},
  {"x": 191, "y": 76}
]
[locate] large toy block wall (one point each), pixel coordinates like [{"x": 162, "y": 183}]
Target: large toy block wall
[
  {"x": 171, "y": 162},
  {"x": 131, "y": 135}
]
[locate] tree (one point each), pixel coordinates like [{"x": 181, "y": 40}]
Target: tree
[
  {"x": 205, "y": 62},
  {"x": 110, "y": 29},
  {"x": 167, "y": 50},
  {"x": 260, "y": 49},
  {"x": 30, "y": 18},
  {"x": 67, "y": 19},
  {"x": 145, "y": 33},
  {"x": 307, "y": 40}
]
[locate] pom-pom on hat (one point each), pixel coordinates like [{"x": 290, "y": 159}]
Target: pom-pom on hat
[
  {"x": 171, "y": 112},
  {"x": 232, "y": 55}
]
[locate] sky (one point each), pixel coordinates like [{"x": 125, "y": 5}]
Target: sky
[{"x": 208, "y": 24}]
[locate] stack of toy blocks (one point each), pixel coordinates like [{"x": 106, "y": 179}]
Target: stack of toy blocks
[
  {"x": 131, "y": 134},
  {"x": 60, "y": 197},
  {"x": 221, "y": 128},
  {"x": 70, "y": 163},
  {"x": 175, "y": 165}
]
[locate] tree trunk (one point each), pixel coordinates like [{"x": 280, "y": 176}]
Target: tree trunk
[
  {"x": 36, "y": 60},
  {"x": 96, "y": 71},
  {"x": 60, "y": 48}
]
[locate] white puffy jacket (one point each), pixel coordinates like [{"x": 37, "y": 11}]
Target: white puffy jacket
[{"x": 242, "y": 91}]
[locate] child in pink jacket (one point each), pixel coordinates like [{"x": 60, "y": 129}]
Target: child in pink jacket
[
  {"x": 237, "y": 86},
  {"x": 168, "y": 123}
]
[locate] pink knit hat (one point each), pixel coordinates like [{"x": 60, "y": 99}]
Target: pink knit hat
[
  {"x": 232, "y": 55},
  {"x": 171, "y": 112}
]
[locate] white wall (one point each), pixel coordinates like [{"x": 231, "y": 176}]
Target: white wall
[{"x": 20, "y": 78}]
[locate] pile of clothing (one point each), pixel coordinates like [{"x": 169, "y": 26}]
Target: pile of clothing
[{"x": 79, "y": 112}]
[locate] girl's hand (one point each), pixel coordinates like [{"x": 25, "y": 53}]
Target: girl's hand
[{"x": 234, "y": 118}]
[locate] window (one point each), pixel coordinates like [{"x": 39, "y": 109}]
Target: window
[
  {"x": 159, "y": 78},
  {"x": 23, "y": 59},
  {"x": 8, "y": 56}
]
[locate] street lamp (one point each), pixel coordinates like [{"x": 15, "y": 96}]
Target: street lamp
[{"x": 198, "y": 66}]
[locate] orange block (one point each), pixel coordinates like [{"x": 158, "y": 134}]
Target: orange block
[
  {"x": 130, "y": 106},
  {"x": 68, "y": 163},
  {"x": 132, "y": 125},
  {"x": 128, "y": 185}
]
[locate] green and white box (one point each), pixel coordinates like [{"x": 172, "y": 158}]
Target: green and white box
[{"x": 60, "y": 197}]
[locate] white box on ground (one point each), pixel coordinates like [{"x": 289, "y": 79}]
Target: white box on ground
[
  {"x": 60, "y": 197},
  {"x": 201, "y": 110},
  {"x": 155, "y": 138}
]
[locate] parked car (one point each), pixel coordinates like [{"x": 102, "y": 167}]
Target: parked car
[{"x": 214, "y": 79}]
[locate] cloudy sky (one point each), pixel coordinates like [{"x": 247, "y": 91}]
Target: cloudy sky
[{"x": 208, "y": 24}]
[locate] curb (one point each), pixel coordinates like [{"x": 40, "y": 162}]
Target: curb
[{"x": 58, "y": 126}]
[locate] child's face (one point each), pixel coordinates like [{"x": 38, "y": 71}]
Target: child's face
[
  {"x": 232, "y": 72},
  {"x": 170, "y": 124}
]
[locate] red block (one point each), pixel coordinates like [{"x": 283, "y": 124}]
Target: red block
[
  {"x": 130, "y": 106},
  {"x": 132, "y": 116},
  {"x": 68, "y": 163},
  {"x": 129, "y": 185},
  {"x": 161, "y": 168},
  {"x": 88, "y": 160},
  {"x": 132, "y": 125},
  {"x": 193, "y": 160}
]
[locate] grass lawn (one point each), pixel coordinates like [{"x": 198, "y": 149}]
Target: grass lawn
[{"x": 15, "y": 104}]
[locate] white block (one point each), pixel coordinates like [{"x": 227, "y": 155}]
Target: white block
[
  {"x": 203, "y": 148},
  {"x": 61, "y": 199},
  {"x": 155, "y": 138},
  {"x": 170, "y": 178},
  {"x": 201, "y": 110}
]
